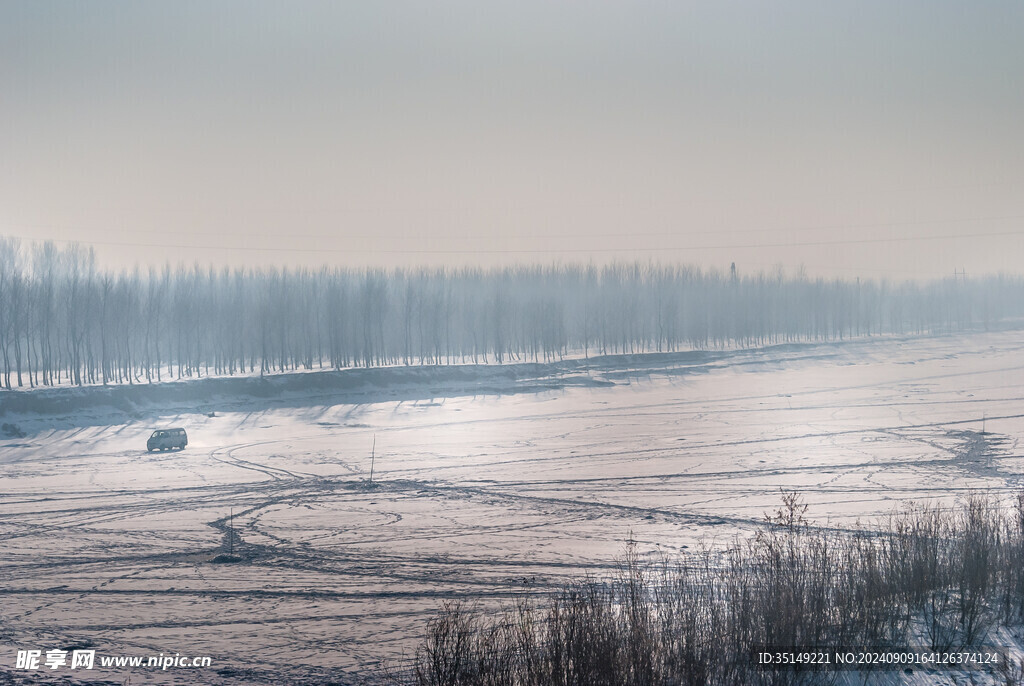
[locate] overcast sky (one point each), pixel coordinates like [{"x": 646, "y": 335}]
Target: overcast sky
[{"x": 856, "y": 138}]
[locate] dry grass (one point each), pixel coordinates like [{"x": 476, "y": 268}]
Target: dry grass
[{"x": 926, "y": 576}]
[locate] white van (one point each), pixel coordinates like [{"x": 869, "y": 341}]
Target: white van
[{"x": 167, "y": 439}]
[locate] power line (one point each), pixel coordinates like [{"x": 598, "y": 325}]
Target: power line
[
  {"x": 526, "y": 251},
  {"x": 548, "y": 235}
]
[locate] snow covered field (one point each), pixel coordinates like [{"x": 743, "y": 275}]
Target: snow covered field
[{"x": 484, "y": 486}]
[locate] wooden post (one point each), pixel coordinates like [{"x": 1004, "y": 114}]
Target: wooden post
[{"x": 373, "y": 451}]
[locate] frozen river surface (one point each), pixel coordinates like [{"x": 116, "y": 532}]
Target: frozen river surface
[{"x": 475, "y": 496}]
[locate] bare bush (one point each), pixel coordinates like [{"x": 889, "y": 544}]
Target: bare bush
[{"x": 926, "y": 577}]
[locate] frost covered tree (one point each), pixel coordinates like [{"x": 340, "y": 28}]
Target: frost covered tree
[{"x": 62, "y": 320}]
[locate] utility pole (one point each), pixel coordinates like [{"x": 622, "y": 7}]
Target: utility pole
[
  {"x": 373, "y": 451},
  {"x": 231, "y": 532}
]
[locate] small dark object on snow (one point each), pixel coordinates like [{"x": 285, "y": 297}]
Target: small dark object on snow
[
  {"x": 224, "y": 558},
  {"x": 12, "y": 431}
]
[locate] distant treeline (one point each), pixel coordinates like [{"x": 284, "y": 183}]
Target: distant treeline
[{"x": 63, "y": 320}]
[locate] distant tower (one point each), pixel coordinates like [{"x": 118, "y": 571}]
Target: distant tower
[{"x": 732, "y": 272}]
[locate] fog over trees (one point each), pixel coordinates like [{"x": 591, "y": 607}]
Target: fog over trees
[{"x": 65, "y": 321}]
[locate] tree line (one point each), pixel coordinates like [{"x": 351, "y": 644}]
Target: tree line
[{"x": 63, "y": 320}]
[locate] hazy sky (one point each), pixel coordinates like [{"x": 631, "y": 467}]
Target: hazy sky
[{"x": 857, "y": 138}]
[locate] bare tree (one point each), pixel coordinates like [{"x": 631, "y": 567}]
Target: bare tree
[{"x": 64, "y": 321}]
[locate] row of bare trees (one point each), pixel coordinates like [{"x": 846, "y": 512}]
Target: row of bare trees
[{"x": 65, "y": 321}]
